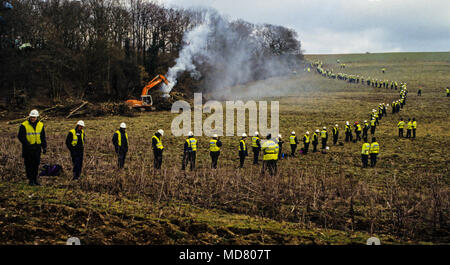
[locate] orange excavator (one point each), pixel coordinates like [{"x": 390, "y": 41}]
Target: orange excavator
[{"x": 146, "y": 101}]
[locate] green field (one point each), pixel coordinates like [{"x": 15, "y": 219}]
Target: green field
[{"x": 315, "y": 199}]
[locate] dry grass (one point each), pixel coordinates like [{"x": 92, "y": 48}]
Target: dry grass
[{"x": 406, "y": 195}]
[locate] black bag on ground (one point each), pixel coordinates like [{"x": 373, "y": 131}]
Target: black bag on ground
[{"x": 51, "y": 170}]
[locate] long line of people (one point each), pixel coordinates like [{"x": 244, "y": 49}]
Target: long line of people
[
  {"x": 351, "y": 78},
  {"x": 33, "y": 139}
]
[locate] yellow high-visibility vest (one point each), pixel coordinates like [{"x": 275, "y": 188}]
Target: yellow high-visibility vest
[
  {"x": 75, "y": 137},
  {"x": 306, "y": 138},
  {"x": 365, "y": 149},
  {"x": 415, "y": 124},
  {"x": 213, "y": 145},
  {"x": 358, "y": 127},
  {"x": 254, "y": 139},
  {"x": 243, "y": 145},
  {"x": 374, "y": 148},
  {"x": 372, "y": 123},
  {"x": 270, "y": 150},
  {"x": 292, "y": 139},
  {"x": 159, "y": 144},
  {"x": 119, "y": 137},
  {"x": 315, "y": 137},
  {"x": 401, "y": 124},
  {"x": 192, "y": 143},
  {"x": 323, "y": 134},
  {"x": 33, "y": 136},
  {"x": 410, "y": 125}
]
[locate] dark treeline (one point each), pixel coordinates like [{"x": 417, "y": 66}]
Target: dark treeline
[{"x": 100, "y": 49}]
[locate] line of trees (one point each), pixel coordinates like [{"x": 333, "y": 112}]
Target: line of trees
[{"x": 99, "y": 49}]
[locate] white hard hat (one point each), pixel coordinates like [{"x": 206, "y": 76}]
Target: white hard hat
[
  {"x": 307, "y": 132},
  {"x": 365, "y": 120},
  {"x": 34, "y": 113},
  {"x": 190, "y": 133},
  {"x": 336, "y": 125},
  {"x": 279, "y": 136},
  {"x": 123, "y": 125},
  {"x": 160, "y": 131},
  {"x": 256, "y": 133},
  {"x": 317, "y": 130},
  {"x": 324, "y": 127},
  {"x": 244, "y": 135},
  {"x": 81, "y": 123},
  {"x": 215, "y": 136},
  {"x": 292, "y": 132},
  {"x": 347, "y": 123}
]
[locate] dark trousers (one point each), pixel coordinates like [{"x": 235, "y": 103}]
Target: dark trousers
[
  {"x": 373, "y": 159},
  {"x": 214, "y": 158},
  {"x": 280, "y": 151},
  {"x": 192, "y": 157},
  {"x": 408, "y": 133},
  {"x": 293, "y": 148},
  {"x": 358, "y": 135},
  {"x": 305, "y": 148},
  {"x": 188, "y": 157},
  {"x": 400, "y": 132},
  {"x": 365, "y": 160},
  {"x": 335, "y": 138},
  {"x": 241, "y": 159},
  {"x": 77, "y": 161},
  {"x": 324, "y": 143},
  {"x": 270, "y": 165},
  {"x": 372, "y": 130},
  {"x": 157, "y": 159},
  {"x": 121, "y": 155},
  {"x": 32, "y": 159},
  {"x": 315, "y": 146},
  {"x": 364, "y": 136},
  {"x": 414, "y": 133},
  {"x": 348, "y": 136},
  {"x": 256, "y": 155}
]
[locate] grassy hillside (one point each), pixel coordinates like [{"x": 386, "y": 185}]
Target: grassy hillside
[{"x": 315, "y": 199}]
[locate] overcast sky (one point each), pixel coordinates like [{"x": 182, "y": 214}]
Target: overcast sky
[{"x": 347, "y": 26}]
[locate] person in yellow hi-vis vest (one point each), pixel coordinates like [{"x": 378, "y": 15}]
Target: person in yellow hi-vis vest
[
  {"x": 120, "y": 142},
  {"x": 270, "y": 150},
  {"x": 158, "y": 149},
  {"x": 293, "y": 141},
  {"x": 324, "y": 137},
  {"x": 400, "y": 125},
  {"x": 256, "y": 146},
  {"x": 75, "y": 141},
  {"x": 414, "y": 127},
  {"x": 190, "y": 151},
  {"x": 365, "y": 154},
  {"x": 243, "y": 152},
  {"x": 32, "y": 136},
  {"x": 374, "y": 150},
  {"x": 214, "y": 150},
  {"x": 409, "y": 127}
]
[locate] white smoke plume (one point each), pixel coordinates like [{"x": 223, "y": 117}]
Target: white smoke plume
[
  {"x": 233, "y": 53},
  {"x": 196, "y": 41}
]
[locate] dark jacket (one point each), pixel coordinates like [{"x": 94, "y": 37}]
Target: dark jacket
[
  {"x": 27, "y": 146},
  {"x": 79, "y": 147},
  {"x": 241, "y": 147},
  {"x": 124, "y": 142},
  {"x": 154, "y": 142}
]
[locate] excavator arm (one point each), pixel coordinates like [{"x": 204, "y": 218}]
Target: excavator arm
[
  {"x": 146, "y": 101},
  {"x": 154, "y": 82}
]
